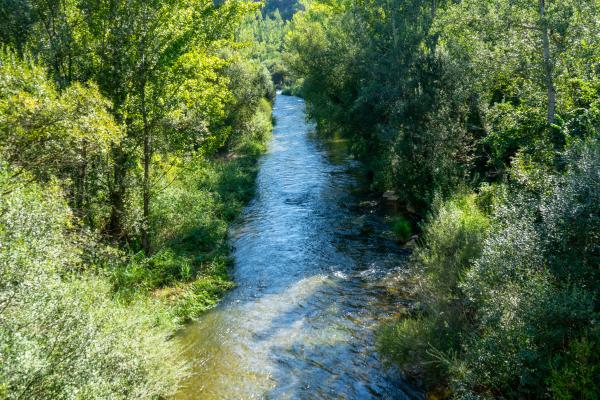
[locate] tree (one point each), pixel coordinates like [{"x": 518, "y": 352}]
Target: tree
[
  {"x": 143, "y": 56},
  {"x": 51, "y": 133}
]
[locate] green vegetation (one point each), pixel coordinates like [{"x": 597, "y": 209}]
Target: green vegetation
[
  {"x": 452, "y": 240},
  {"x": 129, "y": 135},
  {"x": 265, "y": 36},
  {"x": 483, "y": 118},
  {"x": 285, "y": 8},
  {"x": 62, "y": 334},
  {"x": 402, "y": 228},
  {"x": 192, "y": 215}
]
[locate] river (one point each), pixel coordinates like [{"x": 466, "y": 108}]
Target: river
[{"x": 313, "y": 270}]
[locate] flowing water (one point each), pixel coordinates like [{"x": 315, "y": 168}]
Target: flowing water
[{"x": 312, "y": 269}]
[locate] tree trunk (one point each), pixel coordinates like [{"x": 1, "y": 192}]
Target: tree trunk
[
  {"x": 117, "y": 193},
  {"x": 147, "y": 157},
  {"x": 146, "y": 184},
  {"x": 81, "y": 186},
  {"x": 548, "y": 69}
]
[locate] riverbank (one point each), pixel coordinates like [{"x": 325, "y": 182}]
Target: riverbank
[
  {"x": 86, "y": 316},
  {"x": 498, "y": 171},
  {"x": 128, "y": 145},
  {"x": 189, "y": 273}
]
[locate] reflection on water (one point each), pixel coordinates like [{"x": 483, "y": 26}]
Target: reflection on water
[{"x": 310, "y": 285}]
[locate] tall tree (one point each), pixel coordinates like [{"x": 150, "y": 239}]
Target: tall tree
[
  {"x": 144, "y": 43},
  {"x": 143, "y": 56},
  {"x": 547, "y": 60}
]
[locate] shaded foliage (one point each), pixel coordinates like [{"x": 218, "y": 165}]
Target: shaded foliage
[{"x": 61, "y": 334}]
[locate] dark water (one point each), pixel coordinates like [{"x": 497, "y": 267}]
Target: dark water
[{"x": 313, "y": 284}]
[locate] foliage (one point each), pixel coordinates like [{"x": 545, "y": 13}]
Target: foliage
[
  {"x": 505, "y": 311},
  {"x": 437, "y": 94},
  {"x": 286, "y": 8},
  {"x": 190, "y": 269},
  {"x": 61, "y": 335},
  {"x": 452, "y": 240},
  {"x": 143, "y": 120},
  {"x": 402, "y": 228},
  {"x": 159, "y": 65},
  {"x": 252, "y": 85},
  {"x": 579, "y": 368},
  {"x": 535, "y": 285},
  {"x": 50, "y": 133},
  {"x": 265, "y": 36},
  {"x": 403, "y": 102}
]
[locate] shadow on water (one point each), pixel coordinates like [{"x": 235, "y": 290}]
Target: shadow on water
[{"x": 311, "y": 272}]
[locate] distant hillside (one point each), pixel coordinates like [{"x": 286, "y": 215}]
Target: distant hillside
[{"x": 286, "y": 8}]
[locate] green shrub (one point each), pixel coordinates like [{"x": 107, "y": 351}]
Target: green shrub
[
  {"x": 576, "y": 377},
  {"x": 508, "y": 305},
  {"x": 523, "y": 318},
  {"x": 407, "y": 343},
  {"x": 535, "y": 289},
  {"x": 452, "y": 240},
  {"x": 402, "y": 228},
  {"x": 45, "y": 130},
  {"x": 514, "y": 129},
  {"x": 61, "y": 334},
  {"x": 250, "y": 83},
  {"x": 200, "y": 296},
  {"x": 141, "y": 274}
]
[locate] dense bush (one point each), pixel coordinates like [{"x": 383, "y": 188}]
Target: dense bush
[
  {"x": 536, "y": 288},
  {"x": 61, "y": 335},
  {"x": 52, "y": 133},
  {"x": 510, "y": 307}
]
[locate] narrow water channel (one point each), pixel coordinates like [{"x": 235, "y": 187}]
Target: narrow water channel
[{"x": 311, "y": 268}]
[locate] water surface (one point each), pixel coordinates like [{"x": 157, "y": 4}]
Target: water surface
[{"x": 311, "y": 271}]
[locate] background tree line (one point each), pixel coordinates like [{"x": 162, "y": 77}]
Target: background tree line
[
  {"x": 129, "y": 132},
  {"x": 483, "y": 118},
  {"x": 266, "y": 33}
]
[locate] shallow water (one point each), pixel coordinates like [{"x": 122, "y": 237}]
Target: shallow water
[{"x": 311, "y": 270}]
